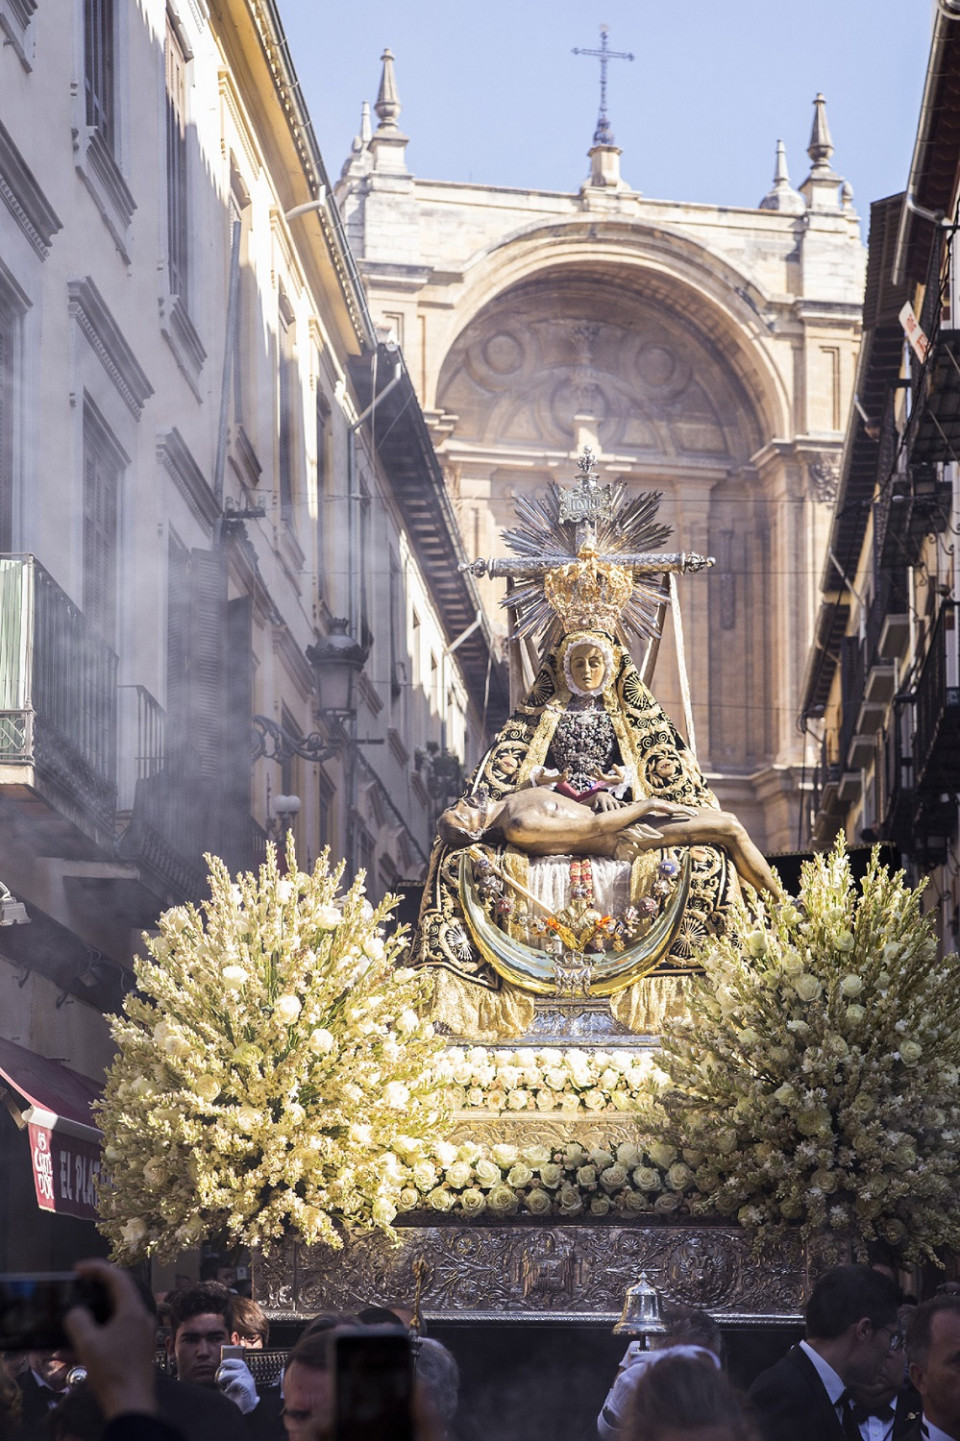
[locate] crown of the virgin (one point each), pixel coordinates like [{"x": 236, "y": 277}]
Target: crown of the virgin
[{"x": 588, "y": 594}]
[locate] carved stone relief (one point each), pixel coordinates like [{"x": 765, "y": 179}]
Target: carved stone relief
[{"x": 528, "y": 365}]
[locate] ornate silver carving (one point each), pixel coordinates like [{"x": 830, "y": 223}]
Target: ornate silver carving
[{"x": 538, "y": 1272}]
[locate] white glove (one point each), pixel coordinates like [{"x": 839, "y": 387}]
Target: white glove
[{"x": 235, "y": 1380}]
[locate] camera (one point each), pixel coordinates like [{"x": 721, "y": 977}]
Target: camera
[{"x": 32, "y": 1308}]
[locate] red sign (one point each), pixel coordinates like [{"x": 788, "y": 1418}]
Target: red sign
[{"x": 65, "y": 1170}]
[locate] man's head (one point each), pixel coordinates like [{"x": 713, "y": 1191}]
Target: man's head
[
  {"x": 466, "y": 821},
  {"x": 852, "y": 1321},
  {"x": 308, "y": 1390},
  {"x": 199, "y": 1325},
  {"x": 933, "y": 1351},
  {"x": 52, "y": 1367},
  {"x": 248, "y": 1325}
]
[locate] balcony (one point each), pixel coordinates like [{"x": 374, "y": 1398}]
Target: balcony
[
  {"x": 58, "y": 715},
  {"x": 936, "y": 423},
  {"x": 937, "y": 696},
  {"x": 894, "y": 779}
]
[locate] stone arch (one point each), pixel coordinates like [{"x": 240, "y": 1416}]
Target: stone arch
[
  {"x": 598, "y": 344},
  {"x": 703, "y": 293}
]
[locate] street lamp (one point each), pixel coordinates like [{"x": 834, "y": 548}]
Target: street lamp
[
  {"x": 12, "y": 911},
  {"x": 336, "y": 660}
]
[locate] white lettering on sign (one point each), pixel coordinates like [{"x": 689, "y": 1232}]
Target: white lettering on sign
[
  {"x": 914, "y": 332},
  {"x": 43, "y": 1167}
]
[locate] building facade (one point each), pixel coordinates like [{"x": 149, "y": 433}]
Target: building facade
[
  {"x": 216, "y": 487},
  {"x": 881, "y": 696},
  {"x": 704, "y": 351}
]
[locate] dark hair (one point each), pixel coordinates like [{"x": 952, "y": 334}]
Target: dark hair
[
  {"x": 845, "y": 1295},
  {"x": 209, "y": 1266},
  {"x": 313, "y": 1349},
  {"x": 686, "y": 1327},
  {"x": 207, "y": 1298},
  {"x": 247, "y": 1318},
  {"x": 920, "y": 1326},
  {"x": 77, "y": 1415},
  {"x": 681, "y": 1391}
]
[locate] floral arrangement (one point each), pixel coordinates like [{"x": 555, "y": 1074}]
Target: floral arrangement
[
  {"x": 502, "y": 1181},
  {"x": 271, "y": 1055},
  {"x": 570, "y": 1081},
  {"x": 817, "y": 1078}
]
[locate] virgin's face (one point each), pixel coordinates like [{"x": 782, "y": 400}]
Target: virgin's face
[{"x": 587, "y": 666}]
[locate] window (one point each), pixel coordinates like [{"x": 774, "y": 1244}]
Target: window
[
  {"x": 397, "y": 666},
  {"x": 177, "y": 216},
  {"x": 287, "y": 401},
  {"x": 98, "y": 69},
  {"x": 178, "y": 645},
  {"x": 103, "y": 464},
  {"x": 322, "y": 441},
  {"x": 9, "y": 357}
]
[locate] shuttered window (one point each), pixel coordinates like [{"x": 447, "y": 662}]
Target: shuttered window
[
  {"x": 177, "y": 195},
  {"x": 99, "y": 46},
  {"x": 103, "y": 464}
]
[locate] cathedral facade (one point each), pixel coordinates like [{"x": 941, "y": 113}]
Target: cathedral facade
[{"x": 704, "y": 351}]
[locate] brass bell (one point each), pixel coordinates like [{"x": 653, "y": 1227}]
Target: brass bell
[{"x": 641, "y": 1312}]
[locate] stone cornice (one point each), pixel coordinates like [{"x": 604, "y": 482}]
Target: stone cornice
[
  {"x": 89, "y": 309},
  {"x": 177, "y": 460},
  {"x": 24, "y": 199}
]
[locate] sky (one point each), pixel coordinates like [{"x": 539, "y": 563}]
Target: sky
[{"x": 491, "y": 92}]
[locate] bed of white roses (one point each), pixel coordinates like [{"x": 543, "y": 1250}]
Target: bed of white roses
[
  {"x": 505, "y": 1180},
  {"x": 570, "y": 1081},
  {"x": 265, "y": 1065},
  {"x": 818, "y": 1073}
]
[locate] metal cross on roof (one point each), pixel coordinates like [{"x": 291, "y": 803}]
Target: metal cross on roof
[{"x": 603, "y": 135}]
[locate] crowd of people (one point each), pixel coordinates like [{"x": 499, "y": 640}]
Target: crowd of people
[{"x": 869, "y": 1369}]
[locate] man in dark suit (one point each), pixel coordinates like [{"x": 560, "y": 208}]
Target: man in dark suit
[
  {"x": 889, "y": 1409},
  {"x": 933, "y": 1350},
  {"x": 851, "y": 1327}
]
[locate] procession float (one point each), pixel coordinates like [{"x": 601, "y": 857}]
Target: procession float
[{"x": 614, "y": 1046}]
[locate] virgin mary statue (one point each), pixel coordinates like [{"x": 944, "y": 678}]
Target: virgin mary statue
[{"x": 588, "y": 857}]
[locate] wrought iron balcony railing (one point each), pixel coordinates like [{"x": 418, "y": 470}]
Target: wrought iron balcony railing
[
  {"x": 58, "y": 697},
  {"x": 937, "y": 696}
]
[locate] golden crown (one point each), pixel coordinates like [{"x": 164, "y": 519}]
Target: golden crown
[{"x": 588, "y": 594}]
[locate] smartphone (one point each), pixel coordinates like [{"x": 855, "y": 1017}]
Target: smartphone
[
  {"x": 232, "y": 1353},
  {"x": 32, "y": 1308},
  {"x": 372, "y": 1386}
]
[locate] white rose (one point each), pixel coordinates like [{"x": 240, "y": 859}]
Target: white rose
[
  {"x": 321, "y": 1041},
  {"x": 133, "y": 1232},
  {"x": 327, "y": 917},
  {"x": 458, "y": 1175},
  {"x": 373, "y": 947},
  {"x": 851, "y": 985},
  {"x": 383, "y": 1211},
  {"x": 208, "y": 1088},
  {"x": 807, "y": 987},
  {"x": 233, "y": 977},
  {"x": 288, "y": 1008},
  {"x": 488, "y": 1174},
  {"x": 538, "y": 1201},
  {"x": 396, "y": 1095},
  {"x": 472, "y": 1201},
  {"x": 503, "y": 1154},
  {"x": 407, "y": 1022}
]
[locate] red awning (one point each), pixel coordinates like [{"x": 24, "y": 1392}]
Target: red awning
[{"x": 64, "y": 1136}]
